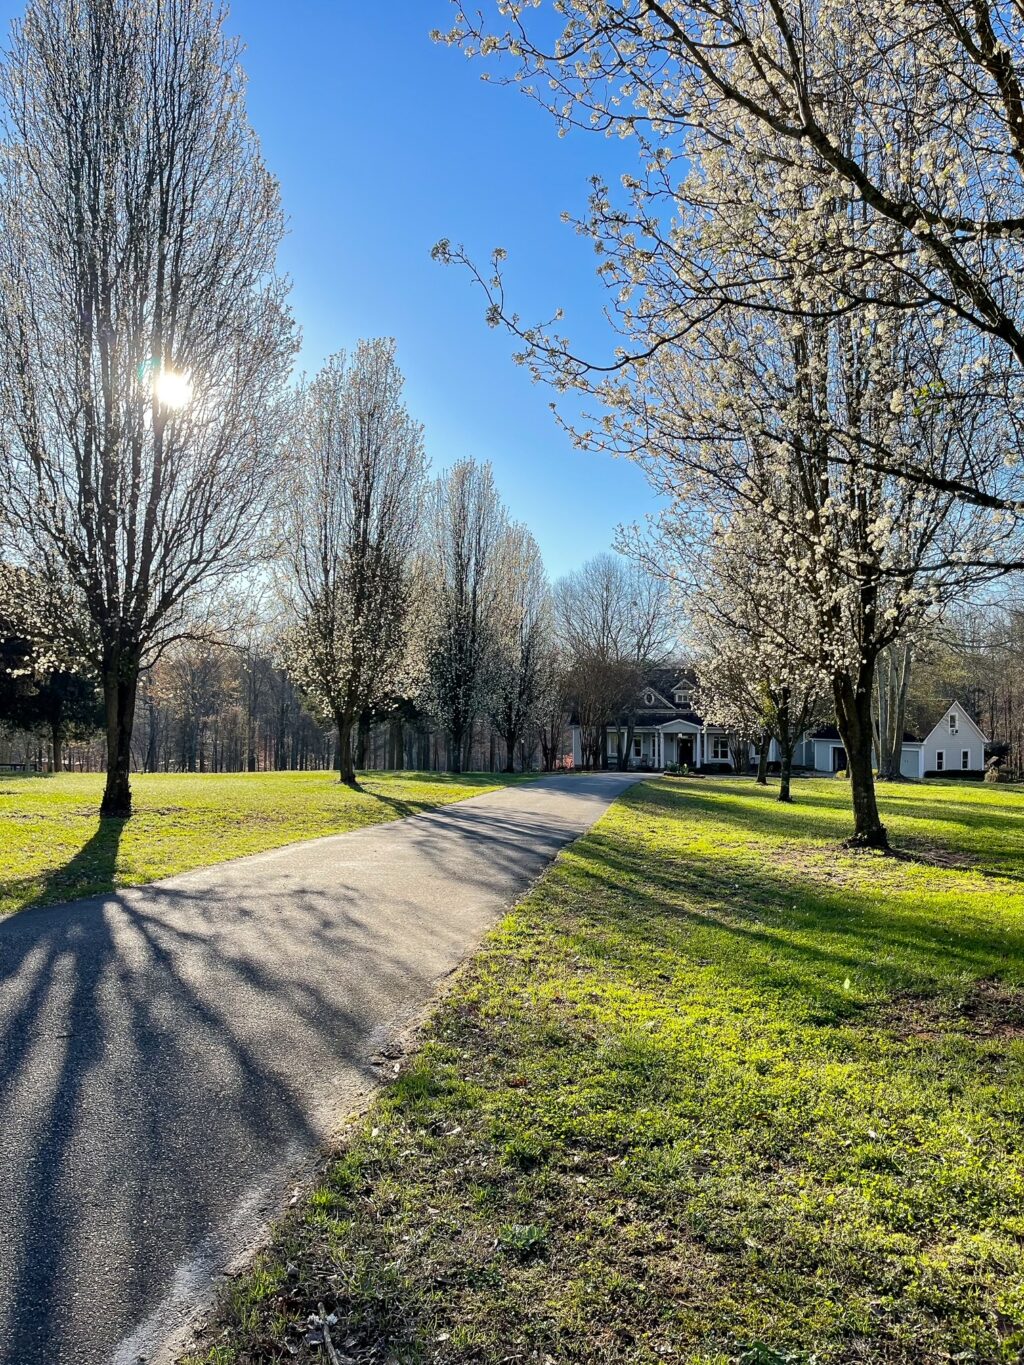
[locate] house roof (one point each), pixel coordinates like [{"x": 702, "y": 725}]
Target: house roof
[
  {"x": 831, "y": 732},
  {"x": 961, "y": 710}
]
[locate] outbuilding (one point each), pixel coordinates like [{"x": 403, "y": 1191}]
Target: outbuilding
[{"x": 955, "y": 745}]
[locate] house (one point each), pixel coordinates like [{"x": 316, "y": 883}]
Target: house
[
  {"x": 822, "y": 752},
  {"x": 666, "y": 730},
  {"x": 954, "y": 745}
]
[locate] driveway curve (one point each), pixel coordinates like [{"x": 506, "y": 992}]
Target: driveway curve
[{"x": 172, "y": 1055}]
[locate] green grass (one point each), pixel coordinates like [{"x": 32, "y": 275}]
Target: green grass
[
  {"x": 716, "y": 1091},
  {"x": 54, "y": 847}
]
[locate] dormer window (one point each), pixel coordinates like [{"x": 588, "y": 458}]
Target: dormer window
[
  {"x": 682, "y": 695},
  {"x": 954, "y": 722}
]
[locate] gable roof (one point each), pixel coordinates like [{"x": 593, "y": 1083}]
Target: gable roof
[{"x": 963, "y": 714}]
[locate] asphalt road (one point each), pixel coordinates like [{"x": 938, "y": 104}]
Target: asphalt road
[{"x": 171, "y": 1056}]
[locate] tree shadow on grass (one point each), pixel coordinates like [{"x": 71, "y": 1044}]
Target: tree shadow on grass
[
  {"x": 994, "y": 842},
  {"x": 88, "y": 872},
  {"x": 769, "y": 928}
]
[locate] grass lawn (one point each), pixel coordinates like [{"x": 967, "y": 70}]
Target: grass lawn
[
  {"x": 53, "y": 846},
  {"x": 716, "y": 1091}
]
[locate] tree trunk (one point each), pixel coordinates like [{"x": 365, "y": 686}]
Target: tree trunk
[
  {"x": 455, "y": 750},
  {"x": 363, "y": 741},
  {"x": 900, "y": 710},
  {"x": 853, "y": 717},
  {"x": 786, "y": 773},
  {"x": 120, "y": 681},
  {"x": 57, "y": 741},
  {"x": 762, "y": 759},
  {"x": 627, "y": 748},
  {"x": 346, "y": 768},
  {"x": 882, "y": 723}
]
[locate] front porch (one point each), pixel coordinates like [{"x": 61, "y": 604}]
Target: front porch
[{"x": 677, "y": 743}]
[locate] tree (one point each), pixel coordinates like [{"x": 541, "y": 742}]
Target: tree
[
  {"x": 759, "y": 661},
  {"x": 614, "y": 624},
  {"x": 144, "y": 338},
  {"x": 350, "y": 529},
  {"x": 523, "y": 627},
  {"x": 775, "y": 366},
  {"x": 910, "y": 115},
  {"x": 892, "y": 685},
  {"x": 458, "y": 587},
  {"x": 42, "y": 690},
  {"x": 553, "y": 708}
]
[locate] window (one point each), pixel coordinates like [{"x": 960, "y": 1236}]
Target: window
[
  {"x": 648, "y": 698},
  {"x": 954, "y": 722},
  {"x": 681, "y": 695},
  {"x": 965, "y": 759},
  {"x": 940, "y": 761},
  {"x": 637, "y": 747},
  {"x": 720, "y": 748}
]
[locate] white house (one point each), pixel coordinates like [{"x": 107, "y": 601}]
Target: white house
[{"x": 954, "y": 744}]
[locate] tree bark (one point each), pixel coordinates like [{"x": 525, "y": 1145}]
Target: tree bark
[
  {"x": 627, "y": 749},
  {"x": 762, "y": 759},
  {"x": 786, "y": 745},
  {"x": 363, "y": 741},
  {"x": 57, "y": 742},
  {"x": 346, "y": 768},
  {"x": 900, "y": 710},
  {"x": 853, "y": 717},
  {"x": 120, "y": 681},
  {"x": 455, "y": 750}
]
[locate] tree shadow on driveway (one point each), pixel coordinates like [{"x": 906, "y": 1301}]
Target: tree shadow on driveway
[
  {"x": 170, "y": 1052},
  {"x": 154, "y": 1062}
]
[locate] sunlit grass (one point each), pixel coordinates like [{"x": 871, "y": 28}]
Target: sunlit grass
[
  {"x": 54, "y": 847},
  {"x": 717, "y": 1091}
]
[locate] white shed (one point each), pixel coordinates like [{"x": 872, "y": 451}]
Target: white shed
[{"x": 955, "y": 744}]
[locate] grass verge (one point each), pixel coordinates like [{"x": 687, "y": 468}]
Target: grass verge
[
  {"x": 714, "y": 1092},
  {"x": 54, "y": 847}
]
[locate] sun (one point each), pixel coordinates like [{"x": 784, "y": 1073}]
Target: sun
[{"x": 173, "y": 389}]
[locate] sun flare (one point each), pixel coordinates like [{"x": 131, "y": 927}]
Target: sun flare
[{"x": 173, "y": 389}]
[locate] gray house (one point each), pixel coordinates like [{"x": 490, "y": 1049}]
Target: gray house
[
  {"x": 666, "y": 730},
  {"x": 954, "y": 744},
  {"x": 822, "y": 751}
]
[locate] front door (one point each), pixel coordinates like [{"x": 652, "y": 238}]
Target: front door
[{"x": 686, "y": 750}]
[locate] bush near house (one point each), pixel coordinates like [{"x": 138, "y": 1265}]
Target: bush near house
[
  {"x": 957, "y": 774},
  {"x": 717, "y": 1091}
]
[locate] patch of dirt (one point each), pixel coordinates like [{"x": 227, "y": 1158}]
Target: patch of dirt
[
  {"x": 934, "y": 855},
  {"x": 990, "y": 1010}
]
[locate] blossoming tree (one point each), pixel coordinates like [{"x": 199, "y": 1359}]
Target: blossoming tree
[{"x": 350, "y": 526}]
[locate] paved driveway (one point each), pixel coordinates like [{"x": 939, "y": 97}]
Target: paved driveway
[{"x": 172, "y": 1054}]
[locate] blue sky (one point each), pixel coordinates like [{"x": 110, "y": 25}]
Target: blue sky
[{"x": 385, "y": 142}]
